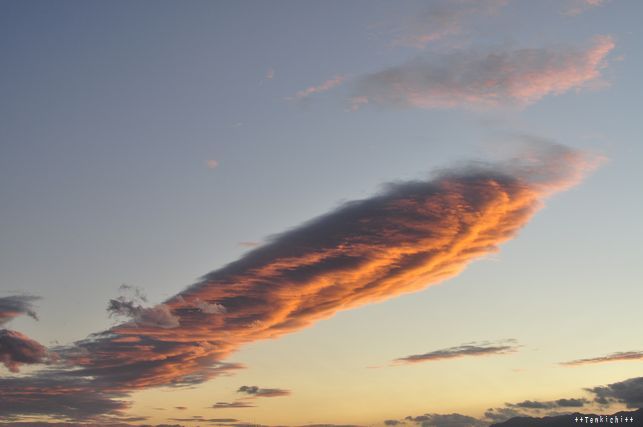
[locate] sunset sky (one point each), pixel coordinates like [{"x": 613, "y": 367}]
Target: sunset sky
[{"x": 320, "y": 212}]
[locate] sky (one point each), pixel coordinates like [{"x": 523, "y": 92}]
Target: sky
[{"x": 323, "y": 212}]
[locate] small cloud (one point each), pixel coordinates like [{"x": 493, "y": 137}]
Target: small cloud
[
  {"x": 229, "y": 405},
  {"x": 255, "y": 391},
  {"x": 181, "y": 408},
  {"x": 212, "y": 163},
  {"x": 209, "y": 308},
  {"x": 475, "y": 79},
  {"x": 323, "y": 87},
  {"x": 614, "y": 357},
  {"x": 472, "y": 349}
]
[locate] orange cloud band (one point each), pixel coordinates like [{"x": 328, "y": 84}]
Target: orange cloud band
[{"x": 411, "y": 236}]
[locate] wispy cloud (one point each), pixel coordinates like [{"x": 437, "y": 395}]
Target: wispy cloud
[
  {"x": 323, "y": 87},
  {"x": 576, "y": 7},
  {"x": 465, "y": 350},
  {"x": 614, "y": 357},
  {"x": 410, "y": 236},
  {"x": 474, "y": 79},
  {"x": 443, "y": 18}
]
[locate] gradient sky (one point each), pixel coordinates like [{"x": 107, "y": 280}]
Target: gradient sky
[{"x": 149, "y": 143}]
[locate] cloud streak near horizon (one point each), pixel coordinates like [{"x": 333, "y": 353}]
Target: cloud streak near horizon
[
  {"x": 402, "y": 240},
  {"x": 614, "y": 357},
  {"x": 465, "y": 350}
]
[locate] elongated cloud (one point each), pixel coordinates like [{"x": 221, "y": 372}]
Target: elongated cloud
[
  {"x": 232, "y": 405},
  {"x": 255, "y": 391},
  {"x": 474, "y": 79},
  {"x": 560, "y": 403},
  {"x": 323, "y": 87},
  {"x": 465, "y": 350},
  {"x": 410, "y": 236},
  {"x": 614, "y": 357}
]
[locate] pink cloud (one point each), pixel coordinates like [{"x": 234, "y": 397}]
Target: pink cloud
[
  {"x": 325, "y": 86},
  {"x": 475, "y": 80},
  {"x": 442, "y": 19}
]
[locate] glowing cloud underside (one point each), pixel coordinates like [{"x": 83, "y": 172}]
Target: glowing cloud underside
[{"x": 403, "y": 240}]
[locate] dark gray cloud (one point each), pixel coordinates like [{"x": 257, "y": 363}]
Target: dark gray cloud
[
  {"x": 628, "y": 392},
  {"x": 631, "y": 418},
  {"x": 571, "y": 403},
  {"x": 393, "y": 422},
  {"x": 17, "y": 349},
  {"x": 262, "y": 392},
  {"x": 465, "y": 350},
  {"x": 560, "y": 403},
  {"x": 16, "y": 305},
  {"x": 446, "y": 420},
  {"x": 532, "y": 404},
  {"x": 503, "y": 414},
  {"x": 530, "y": 408}
]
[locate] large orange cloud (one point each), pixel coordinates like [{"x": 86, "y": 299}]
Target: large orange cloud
[{"x": 411, "y": 236}]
